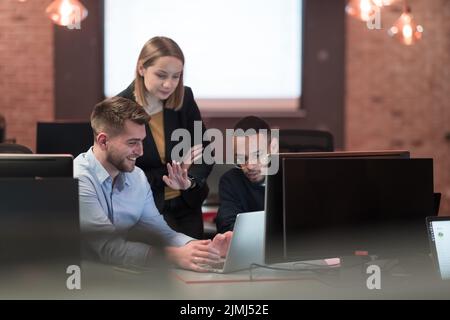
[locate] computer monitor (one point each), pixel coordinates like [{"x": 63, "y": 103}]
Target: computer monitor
[
  {"x": 335, "y": 207},
  {"x": 63, "y": 137},
  {"x": 39, "y": 234},
  {"x": 276, "y": 249},
  {"x": 36, "y": 165},
  {"x": 378, "y": 154},
  {"x": 39, "y": 220}
]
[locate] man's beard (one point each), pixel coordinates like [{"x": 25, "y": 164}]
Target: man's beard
[
  {"x": 123, "y": 165},
  {"x": 256, "y": 176}
]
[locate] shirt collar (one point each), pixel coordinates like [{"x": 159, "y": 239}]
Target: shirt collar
[
  {"x": 122, "y": 180},
  {"x": 103, "y": 175}
]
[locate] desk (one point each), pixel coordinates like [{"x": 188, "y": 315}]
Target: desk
[
  {"x": 306, "y": 285},
  {"x": 100, "y": 281}
]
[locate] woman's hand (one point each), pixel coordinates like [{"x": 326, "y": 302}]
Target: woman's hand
[
  {"x": 193, "y": 155},
  {"x": 177, "y": 178}
]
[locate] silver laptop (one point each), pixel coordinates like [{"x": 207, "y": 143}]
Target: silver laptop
[
  {"x": 439, "y": 238},
  {"x": 247, "y": 244}
]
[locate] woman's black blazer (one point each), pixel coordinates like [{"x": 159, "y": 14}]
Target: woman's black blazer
[{"x": 151, "y": 163}]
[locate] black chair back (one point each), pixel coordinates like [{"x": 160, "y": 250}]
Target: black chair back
[
  {"x": 300, "y": 140},
  {"x": 63, "y": 137},
  {"x": 14, "y": 148}
]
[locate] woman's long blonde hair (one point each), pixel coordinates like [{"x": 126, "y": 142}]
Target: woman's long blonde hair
[{"x": 154, "y": 49}]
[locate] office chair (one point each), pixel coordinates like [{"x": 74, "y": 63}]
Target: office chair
[
  {"x": 63, "y": 137},
  {"x": 437, "y": 202},
  {"x": 2, "y": 128},
  {"x": 299, "y": 140},
  {"x": 14, "y": 148},
  {"x": 212, "y": 202}
]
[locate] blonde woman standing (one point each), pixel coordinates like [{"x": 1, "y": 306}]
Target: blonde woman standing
[{"x": 159, "y": 88}]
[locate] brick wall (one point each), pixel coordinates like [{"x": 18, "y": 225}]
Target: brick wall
[
  {"x": 398, "y": 97},
  {"x": 26, "y": 68}
]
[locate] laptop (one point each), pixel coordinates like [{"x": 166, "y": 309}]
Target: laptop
[
  {"x": 246, "y": 246},
  {"x": 439, "y": 238}
]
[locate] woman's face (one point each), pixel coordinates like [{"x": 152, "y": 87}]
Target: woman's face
[{"x": 162, "y": 78}]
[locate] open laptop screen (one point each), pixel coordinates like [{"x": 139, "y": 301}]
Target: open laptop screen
[{"x": 439, "y": 235}]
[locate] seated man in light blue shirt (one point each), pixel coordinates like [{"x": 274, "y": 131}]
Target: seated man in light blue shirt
[{"x": 115, "y": 196}]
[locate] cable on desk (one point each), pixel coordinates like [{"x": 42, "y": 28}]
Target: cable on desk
[{"x": 318, "y": 270}]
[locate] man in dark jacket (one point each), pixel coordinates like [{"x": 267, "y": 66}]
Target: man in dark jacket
[{"x": 242, "y": 188}]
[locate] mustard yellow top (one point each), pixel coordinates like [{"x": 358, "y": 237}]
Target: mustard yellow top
[{"x": 157, "y": 127}]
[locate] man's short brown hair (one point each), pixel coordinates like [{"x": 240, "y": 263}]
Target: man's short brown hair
[{"x": 110, "y": 115}]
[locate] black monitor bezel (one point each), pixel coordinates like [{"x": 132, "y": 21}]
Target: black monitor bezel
[
  {"x": 274, "y": 193},
  {"x": 34, "y": 165}
]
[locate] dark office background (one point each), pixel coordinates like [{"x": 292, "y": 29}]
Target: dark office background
[{"x": 370, "y": 91}]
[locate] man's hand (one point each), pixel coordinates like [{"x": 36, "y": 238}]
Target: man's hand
[
  {"x": 221, "y": 242},
  {"x": 193, "y": 254},
  {"x": 178, "y": 178}
]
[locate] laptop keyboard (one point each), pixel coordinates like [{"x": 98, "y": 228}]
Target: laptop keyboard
[{"x": 214, "y": 267}]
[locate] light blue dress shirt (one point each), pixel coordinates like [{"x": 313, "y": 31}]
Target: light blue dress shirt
[{"x": 107, "y": 212}]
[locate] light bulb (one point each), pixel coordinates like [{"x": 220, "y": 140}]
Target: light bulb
[
  {"x": 66, "y": 12},
  {"x": 405, "y": 29},
  {"x": 384, "y": 3},
  {"x": 363, "y": 10}
]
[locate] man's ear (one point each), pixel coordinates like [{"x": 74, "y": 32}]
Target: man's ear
[
  {"x": 274, "y": 145},
  {"x": 102, "y": 139}
]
